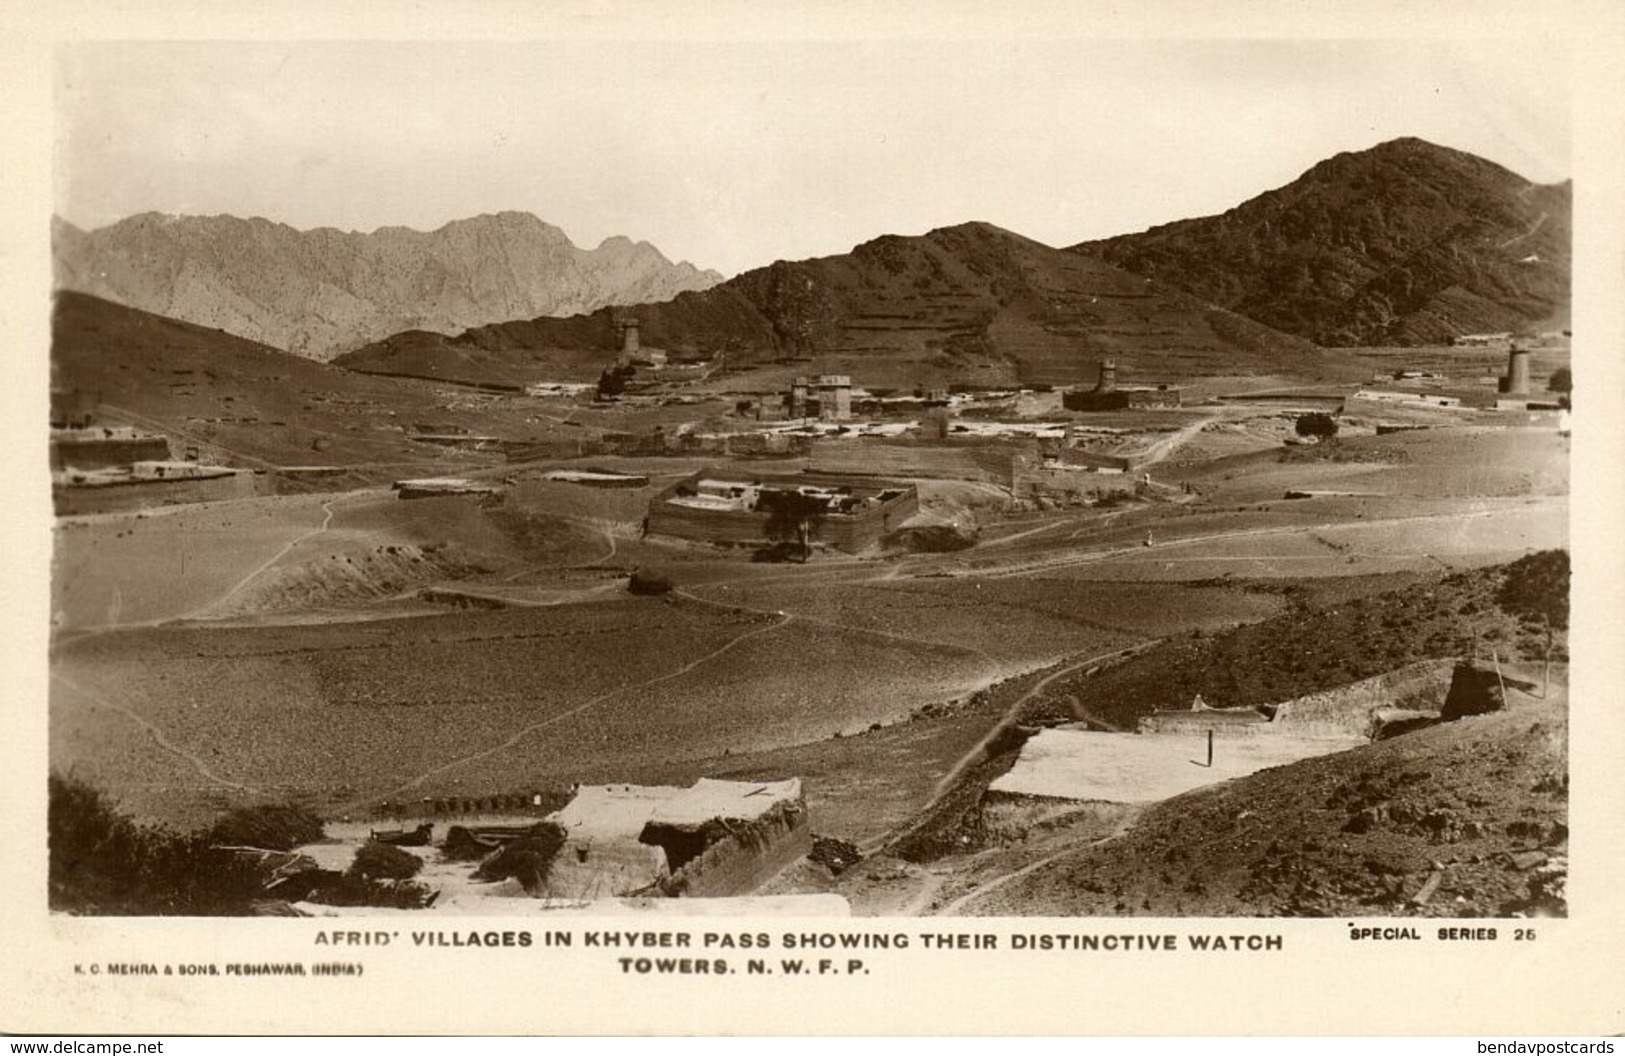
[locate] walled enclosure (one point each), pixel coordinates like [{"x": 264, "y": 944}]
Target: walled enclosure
[
  {"x": 142, "y": 494},
  {"x": 1352, "y": 709},
  {"x": 1347, "y": 711},
  {"x": 105, "y": 448},
  {"x": 1075, "y": 477},
  {"x": 1107, "y": 396},
  {"x": 895, "y": 502},
  {"x": 714, "y": 839}
]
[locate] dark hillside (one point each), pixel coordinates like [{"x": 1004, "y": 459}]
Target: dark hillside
[
  {"x": 1323, "y": 642},
  {"x": 972, "y": 304},
  {"x": 248, "y": 403},
  {"x": 1403, "y": 244}
]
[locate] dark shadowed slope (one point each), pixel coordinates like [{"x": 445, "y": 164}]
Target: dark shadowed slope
[
  {"x": 1405, "y": 243},
  {"x": 968, "y": 303},
  {"x": 247, "y": 403},
  {"x": 323, "y": 291}
]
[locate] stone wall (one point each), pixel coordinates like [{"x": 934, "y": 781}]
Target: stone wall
[
  {"x": 1221, "y": 723},
  {"x": 586, "y": 868},
  {"x": 1082, "y": 456},
  {"x": 1115, "y": 400},
  {"x": 728, "y": 527},
  {"x": 758, "y": 852},
  {"x": 849, "y": 532},
  {"x": 146, "y": 494},
  {"x": 859, "y": 531},
  {"x": 1074, "y": 481},
  {"x": 1348, "y": 710},
  {"x": 971, "y": 460},
  {"x": 88, "y": 453},
  {"x": 1150, "y": 399}
]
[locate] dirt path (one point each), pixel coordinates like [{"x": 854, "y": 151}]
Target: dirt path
[
  {"x": 1540, "y": 221},
  {"x": 1010, "y": 714},
  {"x": 1028, "y": 533},
  {"x": 994, "y": 664},
  {"x": 953, "y": 907},
  {"x": 327, "y": 519},
  {"x": 114, "y": 624},
  {"x": 157, "y": 734},
  {"x": 979, "y": 751},
  {"x": 915, "y": 906},
  {"x": 1173, "y": 441},
  {"x": 598, "y": 562},
  {"x": 614, "y": 545},
  {"x": 1087, "y": 557},
  {"x": 519, "y": 736}
]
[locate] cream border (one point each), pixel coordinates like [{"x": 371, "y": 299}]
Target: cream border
[{"x": 1565, "y": 983}]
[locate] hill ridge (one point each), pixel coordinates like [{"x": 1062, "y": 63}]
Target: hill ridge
[
  {"x": 321, "y": 291},
  {"x": 1407, "y": 242},
  {"x": 970, "y": 302}
]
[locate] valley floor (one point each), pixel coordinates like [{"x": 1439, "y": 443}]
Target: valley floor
[{"x": 347, "y": 651}]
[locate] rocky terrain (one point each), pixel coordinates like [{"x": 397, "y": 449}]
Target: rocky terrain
[
  {"x": 971, "y": 303},
  {"x": 1467, "y": 818},
  {"x": 321, "y": 292},
  {"x": 1330, "y": 635},
  {"x": 1403, "y": 244}
]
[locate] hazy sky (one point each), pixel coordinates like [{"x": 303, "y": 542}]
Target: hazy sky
[{"x": 733, "y": 154}]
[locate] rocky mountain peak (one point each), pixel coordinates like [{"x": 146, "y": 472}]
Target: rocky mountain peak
[{"x": 323, "y": 291}]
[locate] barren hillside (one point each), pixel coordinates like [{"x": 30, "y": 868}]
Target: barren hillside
[
  {"x": 321, "y": 292},
  {"x": 248, "y": 402},
  {"x": 1468, "y": 818},
  {"x": 1333, "y": 633},
  {"x": 972, "y": 303},
  {"x": 1403, "y": 244}
]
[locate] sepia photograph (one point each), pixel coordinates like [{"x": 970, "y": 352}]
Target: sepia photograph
[{"x": 854, "y": 479}]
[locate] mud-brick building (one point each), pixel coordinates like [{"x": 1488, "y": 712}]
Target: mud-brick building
[
  {"x": 1073, "y": 475},
  {"x": 105, "y": 447},
  {"x": 730, "y": 508},
  {"x": 1107, "y": 395},
  {"x": 147, "y": 484},
  {"x": 712, "y": 839}
]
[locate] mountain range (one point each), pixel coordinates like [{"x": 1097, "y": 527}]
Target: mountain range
[
  {"x": 1407, "y": 243},
  {"x": 318, "y": 293},
  {"x": 971, "y": 302}
]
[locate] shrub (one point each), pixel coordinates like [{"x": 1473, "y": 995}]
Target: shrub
[
  {"x": 276, "y": 827},
  {"x": 1537, "y": 587},
  {"x": 643, "y": 581},
  {"x": 1316, "y": 424},
  {"x": 792, "y": 515},
  {"x": 380, "y": 861},
  {"x": 612, "y": 382},
  {"x": 102, "y": 862},
  {"x": 1562, "y": 380}
]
